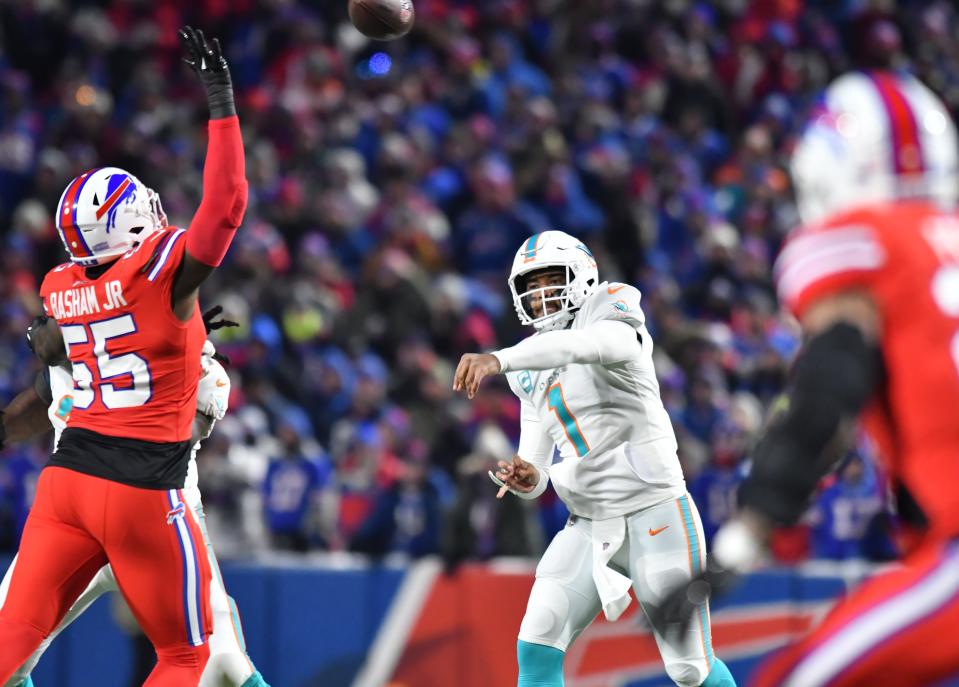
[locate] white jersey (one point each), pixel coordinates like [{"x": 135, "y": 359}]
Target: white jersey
[
  {"x": 616, "y": 443},
  {"x": 212, "y": 398}
]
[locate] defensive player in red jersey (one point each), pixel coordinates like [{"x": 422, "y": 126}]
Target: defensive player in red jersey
[
  {"x": 873, "y": 277},
  {"x": 112, "y": 492}
]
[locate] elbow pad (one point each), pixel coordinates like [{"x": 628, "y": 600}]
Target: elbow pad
[{"x": 832, "y": 381}]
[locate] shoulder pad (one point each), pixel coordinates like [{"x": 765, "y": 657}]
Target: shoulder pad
[{"x": 614, "y": 301}]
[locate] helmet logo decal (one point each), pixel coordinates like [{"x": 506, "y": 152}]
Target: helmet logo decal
[
  {"x": 120, "y": 189},
  {"x": 529, "y": 251}
]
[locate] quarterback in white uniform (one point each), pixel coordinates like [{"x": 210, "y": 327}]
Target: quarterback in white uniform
[
  {"x": 586, "y": 384},
  {"x": 229, "y": 665}
]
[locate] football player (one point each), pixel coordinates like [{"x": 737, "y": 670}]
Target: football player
[
  {"x": 49, "y": 402},
  {"x": 873, "y": 277},
  {"x": 126, "y": 305},
  {"x": 586, "y": 384}
]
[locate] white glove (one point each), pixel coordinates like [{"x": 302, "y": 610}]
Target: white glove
[
  {"x": 213, "y": 391},
  {"x": 736, "y": 547}
]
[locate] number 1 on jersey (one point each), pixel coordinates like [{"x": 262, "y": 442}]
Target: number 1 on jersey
[{"x": 557, "y": 403}]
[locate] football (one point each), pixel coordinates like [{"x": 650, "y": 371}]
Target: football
[{"x": 382, "y": 20}]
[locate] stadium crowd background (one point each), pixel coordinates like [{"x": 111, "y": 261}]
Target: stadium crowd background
[{"x": 390, "y": 185}]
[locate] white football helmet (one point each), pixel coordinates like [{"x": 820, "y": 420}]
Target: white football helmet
[
  {"x": 104, "y": 212},
  {"x": 876, "y": 137},
  {"x": 552, "y": 249}
]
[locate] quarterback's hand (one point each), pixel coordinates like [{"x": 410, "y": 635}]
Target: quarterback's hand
[
  {"x": 519, "y": 476},
  {"x": 472, "y": 369},
  {"x": 206, "y": 59}
]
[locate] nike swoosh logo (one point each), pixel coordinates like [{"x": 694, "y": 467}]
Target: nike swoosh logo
[
  {"x": 220, "y": 382},
  {"x": 653, "y": 533},
  {"x": 610, "y": 290}
]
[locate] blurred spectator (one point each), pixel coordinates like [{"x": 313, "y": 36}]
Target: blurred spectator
[
  {"x": 407, "y": 516},
  {"x": 291, "y": 491},
  {"x": 845, "y": 510}
]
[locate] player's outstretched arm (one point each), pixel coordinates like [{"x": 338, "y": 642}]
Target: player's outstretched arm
[
  {"x": 25, "y": 417},
  {"x": 604, "y": 343},
  {"x": 224, "y": 175}
]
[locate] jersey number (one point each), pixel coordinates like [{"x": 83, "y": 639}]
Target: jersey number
[
  {"x": 557, "y": 403},
  {"x": 128, "y": 365},
  {"x": 944, "y": 286}
]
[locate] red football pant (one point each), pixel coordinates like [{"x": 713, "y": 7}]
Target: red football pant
[
  {"x": 899, "y": 628},
  {"x": 80, "y": 523}
]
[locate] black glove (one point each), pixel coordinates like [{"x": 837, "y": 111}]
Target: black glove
[
  {"x": 208, "y": 62},
  {"x": 208, "y": 321},
  {"x": 678, "y": 608},
  {"x": 211, "y": 314}
]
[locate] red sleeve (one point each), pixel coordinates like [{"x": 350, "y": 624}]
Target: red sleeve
[
  {"x": 820, "y": 262},
  {"x": 224, "y": 194}
]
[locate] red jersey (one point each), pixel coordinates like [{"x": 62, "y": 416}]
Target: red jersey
[
  {"x": 135, "y": 365},
  {"x": 906, "y": 256}
]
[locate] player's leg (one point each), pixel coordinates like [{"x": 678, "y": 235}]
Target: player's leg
[
  {"x": 229, "y": 665},
  {"x": 898, "y": 628},
  {"x": 562, "y": 603},
  {"x": 667, "y": 547},
  {"x": 57, "y": 559},
  {"x": 156, "y": 550},
  {"x": 101, "y": 583}
]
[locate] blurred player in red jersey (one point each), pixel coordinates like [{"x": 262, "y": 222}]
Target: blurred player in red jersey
[
  {"x": 873, "y": 276},
  {"x": 112, "y": 492}
]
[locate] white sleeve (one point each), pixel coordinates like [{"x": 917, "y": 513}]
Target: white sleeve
[
  {"x": 605, "y": 342},
  {"x": 535, "y": 447}
]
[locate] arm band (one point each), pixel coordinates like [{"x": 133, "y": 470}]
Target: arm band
[
  {"x": 833, "y": 379},
  {"x": 224, "y": 194}
]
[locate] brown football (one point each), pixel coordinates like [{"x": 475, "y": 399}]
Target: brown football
[{"x": 382, "y": 20}]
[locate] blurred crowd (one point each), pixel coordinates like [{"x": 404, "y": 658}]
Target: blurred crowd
[{"x": 390, "y": 185}]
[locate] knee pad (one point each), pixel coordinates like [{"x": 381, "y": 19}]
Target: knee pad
[
  {"x": 546, "y": 613},
  {"x": 539, "y": 665},
  {"x": 686, "y": 673}
]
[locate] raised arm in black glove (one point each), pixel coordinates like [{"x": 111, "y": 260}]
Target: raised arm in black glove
[
  {"x": 207, "y": 60},
  {"x": 212, "y": 324}
]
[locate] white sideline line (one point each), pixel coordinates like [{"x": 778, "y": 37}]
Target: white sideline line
[{"x": 391, "y": 639}]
